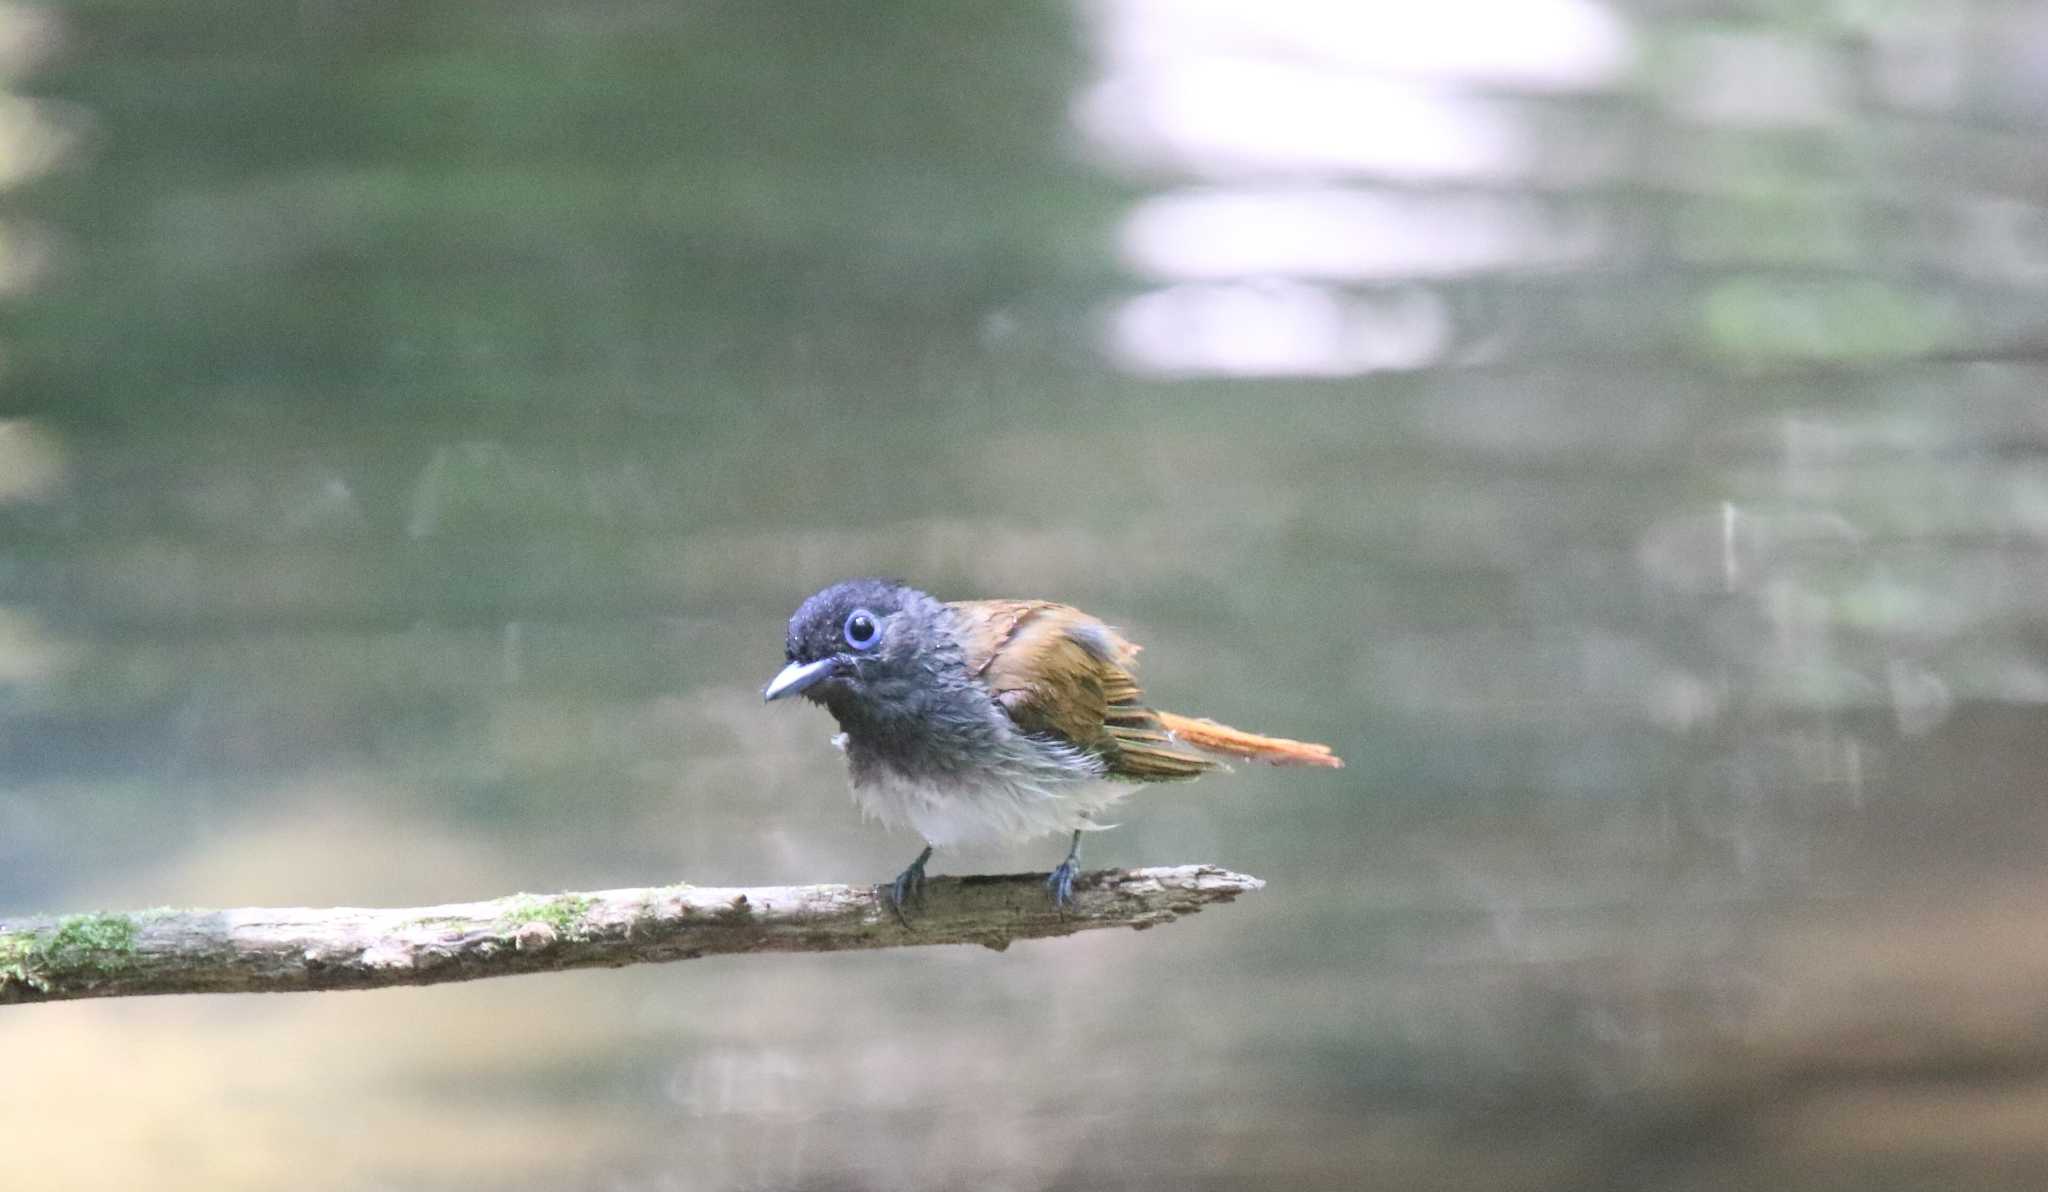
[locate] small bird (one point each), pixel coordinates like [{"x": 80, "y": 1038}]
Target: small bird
[{"x": 985, "y": 720}]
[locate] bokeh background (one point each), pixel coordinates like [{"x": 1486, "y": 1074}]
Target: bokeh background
[{"x": 1618, "y": 427}]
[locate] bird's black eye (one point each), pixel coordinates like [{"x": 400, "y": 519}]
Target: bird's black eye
[{"x": 861, "y": 631}]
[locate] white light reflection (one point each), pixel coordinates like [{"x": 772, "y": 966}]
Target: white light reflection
[
  {"x": 1221, "y": 118},
  {"x": 1277, "y": 329},
  {"x": 1327, "y": 232},
  {"x": 1547, "y": 45},
  {"x": 1273, "y": 105},
  {"x": 1223, "y": 88}
]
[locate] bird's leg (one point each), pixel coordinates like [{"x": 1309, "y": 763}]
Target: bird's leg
[
  {"x": 1061, "y": 883},
  {"x": 908, "y": 885}
]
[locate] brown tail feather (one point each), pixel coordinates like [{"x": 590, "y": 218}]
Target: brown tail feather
[{"x": 1211, "y": 737}]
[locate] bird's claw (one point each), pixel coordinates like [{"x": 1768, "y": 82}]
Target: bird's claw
[
  {"x": 908, "y": 886},
  {"x": 1060, "y": 884}
]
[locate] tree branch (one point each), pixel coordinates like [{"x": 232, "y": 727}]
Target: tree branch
[{"x": 256, "y": 949}]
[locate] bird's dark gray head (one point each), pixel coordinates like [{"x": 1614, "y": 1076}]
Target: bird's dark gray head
[{"x": 860, "y": 641}]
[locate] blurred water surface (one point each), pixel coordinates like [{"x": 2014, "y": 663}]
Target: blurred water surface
[{"x": 1618, "y": 429}]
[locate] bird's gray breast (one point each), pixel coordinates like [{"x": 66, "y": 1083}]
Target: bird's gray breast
[
  {"x": 960, "y": 771},
  {"x": 925, "y": 728}
]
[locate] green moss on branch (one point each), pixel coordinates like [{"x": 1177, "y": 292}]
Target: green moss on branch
[
  {"x": 562, "y": 912},
  {"x": 79, "y": 949}
]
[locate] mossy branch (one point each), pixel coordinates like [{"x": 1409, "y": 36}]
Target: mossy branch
[{"x": 255, "y": 949}]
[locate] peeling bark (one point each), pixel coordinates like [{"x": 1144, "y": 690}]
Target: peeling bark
[{"x": 258, "y": 949}]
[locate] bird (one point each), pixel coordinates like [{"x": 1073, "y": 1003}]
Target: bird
[{"x": 982, "y": 721}]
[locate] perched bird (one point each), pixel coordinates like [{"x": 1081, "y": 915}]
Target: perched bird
[{"x": 985, "y": 720}]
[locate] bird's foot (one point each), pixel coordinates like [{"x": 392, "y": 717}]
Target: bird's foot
[
  {"x": 1060, "y": 884},
  {"x": 908, "y": 885}
]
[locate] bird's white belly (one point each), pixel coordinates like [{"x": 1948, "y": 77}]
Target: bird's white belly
[{"x": 988, "y": 810}]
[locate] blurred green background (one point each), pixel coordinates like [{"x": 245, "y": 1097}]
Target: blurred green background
[{"x": 1619, "y": 429}]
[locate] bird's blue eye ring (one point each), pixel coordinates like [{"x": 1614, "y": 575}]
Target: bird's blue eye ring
[{"x": 861, "y": 630}]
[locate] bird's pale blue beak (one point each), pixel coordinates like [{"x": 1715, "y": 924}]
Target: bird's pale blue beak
[{"x": 795, "y": 677}]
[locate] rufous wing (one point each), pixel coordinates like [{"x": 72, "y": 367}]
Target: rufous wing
[
  {"x": 1056, "y": 670},
  {"x": 1059, "y": 671}
]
